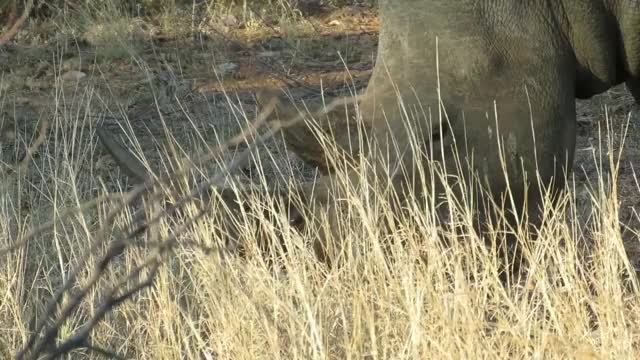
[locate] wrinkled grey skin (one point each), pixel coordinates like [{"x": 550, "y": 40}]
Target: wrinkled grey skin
[
  {"x": 508, "y": 73},
  {"x": 529, "y": 59},
  {"x": 533, "y": 58}
]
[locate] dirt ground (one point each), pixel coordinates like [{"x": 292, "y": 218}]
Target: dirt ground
[{"x": 198, "y": 89}]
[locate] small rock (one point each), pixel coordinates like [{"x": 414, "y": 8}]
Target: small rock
[
  {"x": 335, "y": 23},
  {"x": 73, "y": 75}
]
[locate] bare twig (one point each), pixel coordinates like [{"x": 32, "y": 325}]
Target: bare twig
[
  {"x": 4, "y": 38},
  {"x": 131, "y": 196},
  {"x": 44, "y": 337},
  {"x": 115, "y": 248},
  {"x": 44, "y": 341}
]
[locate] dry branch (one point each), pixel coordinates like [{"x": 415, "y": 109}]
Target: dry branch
[
  {"x": 44, "y": 341},
  {"x": 4, "y": 38}
]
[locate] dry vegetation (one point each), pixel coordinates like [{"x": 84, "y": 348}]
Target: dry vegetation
[{"x": 180, "y": 85}]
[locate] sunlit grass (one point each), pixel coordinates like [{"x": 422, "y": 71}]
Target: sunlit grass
[
  {"x": 398, "y": 294},
  {"x": 416, "y": 289}
]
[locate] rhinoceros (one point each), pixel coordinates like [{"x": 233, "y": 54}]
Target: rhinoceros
[{"x": 489, "y": 88}]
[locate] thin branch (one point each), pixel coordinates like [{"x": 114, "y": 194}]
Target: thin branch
[
  {"x": 4, "y": 38},
  {"x": 45, "y": 334}
]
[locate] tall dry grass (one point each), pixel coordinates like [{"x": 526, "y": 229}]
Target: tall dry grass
[{"x": 419, "y": 291}]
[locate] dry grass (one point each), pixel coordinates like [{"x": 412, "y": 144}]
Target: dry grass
[
  {"x": 419, "y": 291},
  {"x": 402, "y": 294}
]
